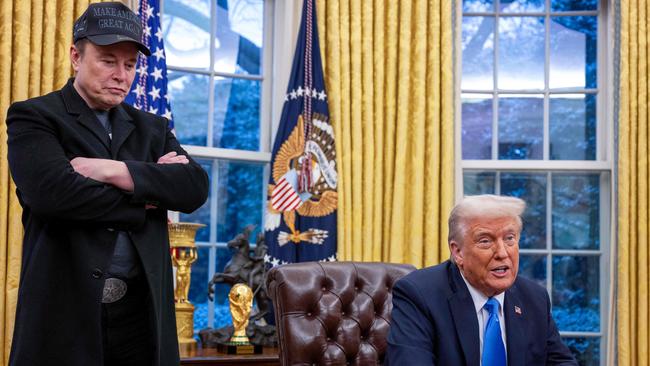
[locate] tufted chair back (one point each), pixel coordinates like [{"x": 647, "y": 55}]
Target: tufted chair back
[{"x": 333, "y": 313}]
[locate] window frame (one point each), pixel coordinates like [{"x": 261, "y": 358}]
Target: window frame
[
  {"x": 263, "y": 156},
  {"x": 604, "y": 161}
]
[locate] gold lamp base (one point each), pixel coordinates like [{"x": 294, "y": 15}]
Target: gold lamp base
[{"x": 185, "y": 328}]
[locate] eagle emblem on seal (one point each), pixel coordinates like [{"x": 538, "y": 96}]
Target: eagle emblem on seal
[{"x": 285, "y": 199}]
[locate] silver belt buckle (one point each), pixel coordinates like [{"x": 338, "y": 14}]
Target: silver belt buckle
[{"x": 114, "y": 289}]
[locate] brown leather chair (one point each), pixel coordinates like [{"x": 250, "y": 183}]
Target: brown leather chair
[{"x": 334, "y": 313}]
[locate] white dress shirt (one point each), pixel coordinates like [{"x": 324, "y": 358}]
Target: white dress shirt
[{"x": 482, "y": 314}]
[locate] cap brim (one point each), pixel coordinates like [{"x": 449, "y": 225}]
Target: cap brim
[{"x": 108, "y": 39}]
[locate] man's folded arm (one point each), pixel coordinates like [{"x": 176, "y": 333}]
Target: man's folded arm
[
  {"x": 411, "y": 333},
  {"x": 48, "y": 183},
  {"x": 179, "y": 187}
]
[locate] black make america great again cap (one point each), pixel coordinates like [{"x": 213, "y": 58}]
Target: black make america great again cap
[{"x": 108, "y": 23}]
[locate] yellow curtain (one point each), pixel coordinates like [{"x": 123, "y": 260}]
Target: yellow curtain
[
  {"x": 389, "y": 76},
  {"x": 34, "y": 59},
  {"x": 633, "y": 302}
]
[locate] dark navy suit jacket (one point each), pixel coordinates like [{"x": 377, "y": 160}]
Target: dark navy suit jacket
[{"x": 434, "y": 322}]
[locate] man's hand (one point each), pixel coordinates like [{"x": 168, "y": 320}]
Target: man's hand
[
  {"x": 107, "y": 171},
  {"x": 173, "y": 158}
]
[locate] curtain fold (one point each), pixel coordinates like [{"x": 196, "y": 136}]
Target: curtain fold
[
  {"x": 633, "y": 301},
  {"x": 35, "y": 37},
  {"x": 389, "y": 74}
]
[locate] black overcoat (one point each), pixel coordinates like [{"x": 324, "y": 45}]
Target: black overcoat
[{"x": 71, "y": 223}]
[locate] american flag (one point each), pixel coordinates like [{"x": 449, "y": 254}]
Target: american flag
[
  {"x": 149, "y": 90},
  {"x": 300, "y": 222}
]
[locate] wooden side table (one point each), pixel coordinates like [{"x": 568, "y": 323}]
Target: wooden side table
[{"x": 210, "y": 357}]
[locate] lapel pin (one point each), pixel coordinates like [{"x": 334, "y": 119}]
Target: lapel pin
[{"x": 518, "y": 310}]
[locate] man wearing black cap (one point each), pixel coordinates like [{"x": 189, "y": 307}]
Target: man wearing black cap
[{"x": 95, "y": 178}]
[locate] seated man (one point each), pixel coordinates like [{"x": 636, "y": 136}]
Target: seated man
[{"x": 473, "y": 309}]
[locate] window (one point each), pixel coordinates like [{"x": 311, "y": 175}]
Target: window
[
  {"x": 218, "y": 57},
  {"x": 534, "y": 124}
]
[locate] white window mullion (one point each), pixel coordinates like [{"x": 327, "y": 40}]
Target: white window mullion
[
  {"x": 212, "y": 261},
  {"x": 546, "y": 147},
  {"x": 549, "y": 235},
  {"x": 495, "y": 85},
  {"x": 211, "y": 83}
]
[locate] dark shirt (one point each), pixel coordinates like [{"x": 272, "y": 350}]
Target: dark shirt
[{"x": 125, "y": 262}]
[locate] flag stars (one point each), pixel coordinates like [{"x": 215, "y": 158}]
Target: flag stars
[
  {"x": 167, "y": 114},
  {"x": 142, "y": 70},
  {"x": 149, "y": 12},
  {"x": 157, "y": 73},
  {"x": 307, "y": 93},
  {"x": 154, "y": 93},
  {"x": 147, "y": 31},
  {"x": 159, "y": 34},
  {"x": 159, "y": 54},
  {"x": 139, "y": 91},
  {"x": 153, "y": 110}
]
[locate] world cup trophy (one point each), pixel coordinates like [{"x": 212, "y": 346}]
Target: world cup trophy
[{"x": 241, "y": 302}]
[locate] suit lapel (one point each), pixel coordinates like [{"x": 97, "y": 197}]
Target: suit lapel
[
  {"x": 90, "y": 121},
  {"x": 122, "y": 128},
  {"x": 75, "y": 105},
  {"x": 464, "y": 315},
  {"x": 514, "y": 313}
]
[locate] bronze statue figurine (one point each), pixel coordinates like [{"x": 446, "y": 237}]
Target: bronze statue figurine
[{"x": 249, "y": 269}]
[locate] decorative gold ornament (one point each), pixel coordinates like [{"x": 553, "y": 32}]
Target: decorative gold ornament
[
  {"x": 241, "y": 301},
  {"x": 182, "y": 237}
]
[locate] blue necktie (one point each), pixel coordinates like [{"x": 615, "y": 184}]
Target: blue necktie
[{"x": 494, "y": 353}]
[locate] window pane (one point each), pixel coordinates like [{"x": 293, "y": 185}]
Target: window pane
[
  {"x": 478, "y": 5},
  {"x": 574, "y": 52},
  {"x": 477, "y": 126},
  {"x": 576, "y": 294},
  {"x": 520, "y": 6},
  {"x": 238, "y": 45},
  {"x": 531, "y": 187},
  {"x": 576, "y": 211},
  {"x": 533, "y": 267},
  {"x": 222, "y": 316},
  {"x": 571, "y": 5},
  {"x": 572, "y": 125},
  {"x": 240, "y": 198},
  {"x": 479, "y": 183},
  {"x": 237, "y": 114},
  {"x": 186, "y": 26},
  {"x": 199, "y": 288},
  {"x": 202, "y": 214},
  {"x": 586, "y": 350},
  {"x": 478, "y": 53},
  {"x": 521, "y": 127},
  {"x": 189, "y": 97},
  {"x": 521, "y": 53}
]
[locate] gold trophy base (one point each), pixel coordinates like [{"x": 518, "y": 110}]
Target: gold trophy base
[
  {"x": 185, "y": 329},
  {"x": 236, "y": 348}
]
